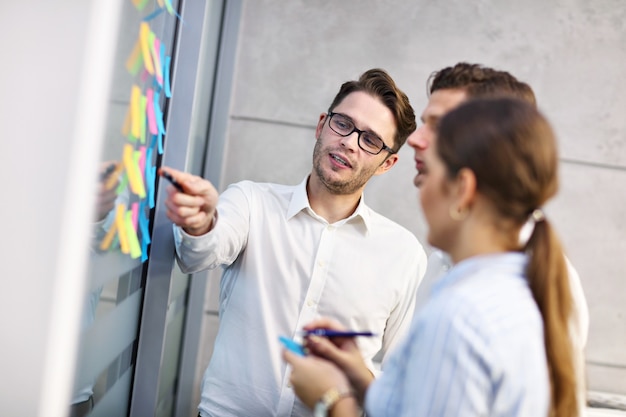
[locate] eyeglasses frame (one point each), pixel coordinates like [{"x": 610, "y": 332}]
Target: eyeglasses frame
[{"x": 330, "y": 115}]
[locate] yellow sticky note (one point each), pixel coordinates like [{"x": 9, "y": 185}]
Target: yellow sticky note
[
  {"x": 133, "y": 241},
  {"x": 120, "y": 224},
  {"x": 132, "y": 170},
  {"x": 126, "y": 126},
  {"x": 144, "y": 35},
  {"x": 135, "y": 112},
  {"x": 143, "y": 121}
]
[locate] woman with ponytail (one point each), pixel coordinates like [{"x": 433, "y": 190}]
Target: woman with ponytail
[{"x": 493, "y": 339}]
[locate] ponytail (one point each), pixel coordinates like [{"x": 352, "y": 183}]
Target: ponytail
[{"x": 549, "y": 283}]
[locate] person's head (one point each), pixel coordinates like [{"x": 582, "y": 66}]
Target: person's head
[
  {"x": 378, "y": 83},
  {"x": 366, "y": 124},
  {"x": 451, "y": 86},
  {"x": 492, "y": 167}
]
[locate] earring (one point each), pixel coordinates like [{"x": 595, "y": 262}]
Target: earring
[{"x": 458, "y": 213}]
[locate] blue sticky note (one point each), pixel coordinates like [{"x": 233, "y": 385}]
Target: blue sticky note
[{"x": 292, "y": 346}]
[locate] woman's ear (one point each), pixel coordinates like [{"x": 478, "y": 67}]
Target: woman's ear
[{"x": 465, "y": 188}]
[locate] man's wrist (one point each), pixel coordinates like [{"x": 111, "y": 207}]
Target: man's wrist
[{"x": 204, "y": 230}]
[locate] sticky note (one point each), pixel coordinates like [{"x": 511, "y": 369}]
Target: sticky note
[
  {"x": 168, "y": 6},
  {"x": 144, "y": 34},
  {"x": 131, "y": 236},
  {"x": 120, "y": 224},
  {"x": 133, "y": 62},
  {"x": 114, "y": 177},
  {"x": 140, "y": 4},
  {"x": 108, "y": 237},
  {"x": 142, "y": 120},
  {"x": 132, "y": 171},
  {"x": 166, "y": 74},
  {"x": 153, "y": 41},
  {"x": 152, "y": 123},
  {"x": 135, "y": 111}
]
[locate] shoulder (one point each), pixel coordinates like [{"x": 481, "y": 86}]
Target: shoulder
[{"x": 384, "y": 227}]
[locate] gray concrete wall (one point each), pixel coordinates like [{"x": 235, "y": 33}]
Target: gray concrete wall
[{"x": 293, "y": 55}]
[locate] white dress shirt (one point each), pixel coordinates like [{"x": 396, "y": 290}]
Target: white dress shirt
[{"x": 283, "y": 267}]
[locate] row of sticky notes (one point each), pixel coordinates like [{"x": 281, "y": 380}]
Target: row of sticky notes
[
  {"x": 144, "y": 111},
  {"x": 149, "y": 54},
  {"x": 144, "y": 119},
  {"x": 124, "y": 231}
]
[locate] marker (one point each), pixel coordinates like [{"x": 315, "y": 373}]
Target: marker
[
  {"x": 171, "y": 179},
  {"x": 336, "y": 333},
  {"x": 292, "y": 346},
  {"x": 104, "y": 175}
]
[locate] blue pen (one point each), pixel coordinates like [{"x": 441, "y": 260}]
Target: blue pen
[{"x": 337, "y": 333}]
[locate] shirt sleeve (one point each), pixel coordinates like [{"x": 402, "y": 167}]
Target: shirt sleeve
[
  {"x": 399, "y": 321},
  {"x": 223, "y": 244},
  {"x": 580, "y": 319}
]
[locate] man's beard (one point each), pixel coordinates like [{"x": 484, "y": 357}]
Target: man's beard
[{"x": 339, "y": 187}]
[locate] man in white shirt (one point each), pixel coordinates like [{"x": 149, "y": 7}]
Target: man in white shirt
[
  {"x": 294, "y": 253},
  {"x": 448, "y": 88}
]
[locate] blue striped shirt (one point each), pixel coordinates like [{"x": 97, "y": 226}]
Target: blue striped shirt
[{"x": 475, "y": 349}]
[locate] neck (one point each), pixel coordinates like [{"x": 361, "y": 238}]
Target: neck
[
  {"x": 332, "y": 207},
  {"x": 478, "y": 239}
]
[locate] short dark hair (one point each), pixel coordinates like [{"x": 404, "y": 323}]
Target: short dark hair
[
  {"x": 379, "y": 84},
  {"x": 479, "y": 81}
]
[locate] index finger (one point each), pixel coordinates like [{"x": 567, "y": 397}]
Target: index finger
[
  {"x": 325, "y": 323},
  {"x": 191, "y": 184}
]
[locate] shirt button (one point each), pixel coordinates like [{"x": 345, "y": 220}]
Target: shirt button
[
  {"x": 321, "y": 263},
  {"x": 310, "y": 302}
]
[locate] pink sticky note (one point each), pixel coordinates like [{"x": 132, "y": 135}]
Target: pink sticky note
[
  {"x": 135, "y": 214},
  {"x": 152, "y": 123}
]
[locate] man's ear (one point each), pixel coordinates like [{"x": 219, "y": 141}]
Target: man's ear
[
  {"x": 320, "y": 125},
  {"x": 387, "y": 164}
]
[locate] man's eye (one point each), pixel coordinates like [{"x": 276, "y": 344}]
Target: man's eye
[
  {"x": 370, "y": 140},
  {"x": 342, "y": 124}
]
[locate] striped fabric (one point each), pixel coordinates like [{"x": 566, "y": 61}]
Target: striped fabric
[{"x": 475, "y": 349}]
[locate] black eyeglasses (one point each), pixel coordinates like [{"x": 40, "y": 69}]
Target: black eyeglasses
[{"x": 369, "y": 142}]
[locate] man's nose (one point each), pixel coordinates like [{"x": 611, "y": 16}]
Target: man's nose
[
  {"x": 351, "y": 141},
  {"x": 419, "y": 138}
]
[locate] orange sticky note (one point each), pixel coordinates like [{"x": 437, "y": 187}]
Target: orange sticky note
[
  {"x": 108, "y": 238},
  {"x": 114, "y": 177}
]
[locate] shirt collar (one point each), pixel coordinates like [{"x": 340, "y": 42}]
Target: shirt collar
[
  {"x": 300, "y": 201},
  {"x": 511, "y": 262}
]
